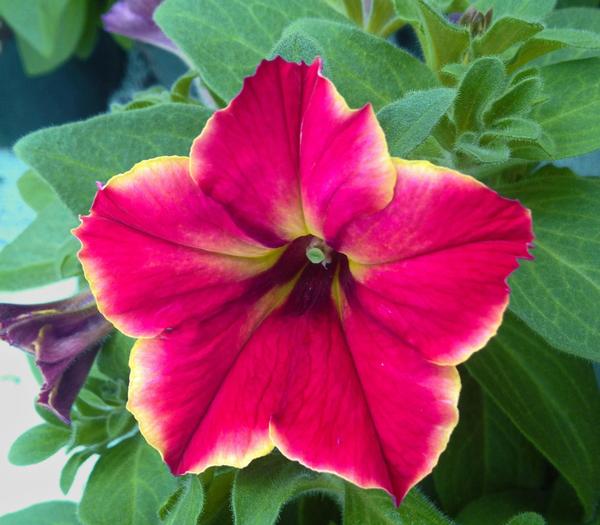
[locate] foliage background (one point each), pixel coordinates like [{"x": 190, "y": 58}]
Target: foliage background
[{"x": 500, "y": 104}]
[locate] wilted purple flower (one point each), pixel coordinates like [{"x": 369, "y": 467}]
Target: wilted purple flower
[
  {"x": 64, "y": 337},
  {"x": 133, "y": 19}
]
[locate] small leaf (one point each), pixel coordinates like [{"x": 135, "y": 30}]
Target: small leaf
[
  {"x": 184, "y": 506},
  {"x": 518, "y": 100},
  {"x": 38, "y": 443},
  {"x": 491, "y": 153},
  {"x": 143, "y": 482},
  {"x": 550, "y": 396},
  {"x": 497, "y": 508},
  {"x": 442, "y": 42},
  {"x": 504, "y": 33},
  {"x": 47, "y": 513},
  {"x": 119, "y": 422},
  {"x": 525, "y": 9},
  {"x": 113, "y": 358},
  {"x": 527, "y": 518},
  {"x": 576, "y": 18},
  {"x": 410, "y": 120},
  {"x": 482, "y": 83},
  {"x": 516, "y": 128},
  {"x": 72, "y": 157},
  {"x": 297, "y": 46},
  {"x": 553, "y": 39},
  {"x": 69, "y": 471}
]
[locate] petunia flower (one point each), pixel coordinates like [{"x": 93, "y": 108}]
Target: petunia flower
[
  {"x": 133, "y": 19},
  {"x": 64, "y": 337},
  {"x": 294, "y": 286}
]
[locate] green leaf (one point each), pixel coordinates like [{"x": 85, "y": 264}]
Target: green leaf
[
  {"x": 113, "y": 359},
  {"x": 486, "y": 453},
  {"x": 35, "y": 191},
  {"x": 236, "y": 34},
  {"x": 36, "y": 255},
  {"x": 525, "y": 9},
  {"x": 64, "y": 44},
  {"x": 553, "y": 39},
  {"x": 72, "y": 157},
  {"x": 69, "y": 471},
  {"x": 491, "y": 153},
  {"x": 375, "y": 507},
  {"x": 185, "y": 505},
  {"x": 518, "y": 100},
  {"x": 570, "y": 115},
  {"x": 442, "y": 42},
  {"x": 482, "y": 83},
  {"x": 36, "y": 21},
  {"x": 47, "y": 513},
  {"x": 504, "y": 33},
  {"x": 517, "y": 128},
  {"x": 217, "y": 495},
  {"x": 297, "y": 46},
  {"x": 262, "y": 489},
  {"x": 348, "y": 61},
  {"x": 527, "y": 518},
  {"x": 556, "y": 294},
  {"x": 38, "y": 443},
  {"x": 128, "y": 485},
  {"x": 551, "y": 397},
  {"x": 410, "y": 120},
  {"x": 267, "y": 484},
  {"x": 574, "y": 18},
  {"x": 497, "y": 508}
]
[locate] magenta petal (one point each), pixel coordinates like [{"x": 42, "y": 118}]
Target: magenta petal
[
  {"x": 432, "y": 266},
  {"x": 287, "y": 157},
  {"x": 156, "y": 251}
]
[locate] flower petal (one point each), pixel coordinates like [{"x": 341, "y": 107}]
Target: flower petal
[
  {"x": 432, "y": 266},
  {"x": 149, "y": 249},
  {"x": 360, "y": 404},
  {"x": 288, "y": 157},
  {"x": 203, "y": 393}
]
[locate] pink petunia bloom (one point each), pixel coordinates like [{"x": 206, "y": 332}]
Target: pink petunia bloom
[{"x": 294, "y": 286}]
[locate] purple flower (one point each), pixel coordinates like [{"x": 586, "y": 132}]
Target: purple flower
[
  {"x": 133, "y": 19},
  {"x": 64, "y": 337}
]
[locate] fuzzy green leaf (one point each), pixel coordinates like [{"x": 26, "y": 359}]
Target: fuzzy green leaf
[
  {"x": 143, "y": 482},
  {"x": 553, "y": 39},
  {"x": 557, "y": 293},
  {"x": 516, "y": 128},
  {"x": 38, "y": 443},
  {"x": 185, "y": 504},
  {"x": 486, "y": 453},
  {"x": 348, "y": 61},
  {"x": 236, "y": 34},
  {"x": 410, "y": 120},
  {"x": 262, "y": 489},
  {"x": 72, "y": 157},
  {"x": 570, "y": 116},
  {"x": 518, "y": 100},
  {"x": 525, "y": 9},
  {"x": 482, "y": 83},
  {"x": 47, "y": 513},
  {"x": 491, "y": 153},
  {"x": 38, "y": 254},
  {"x": 527, "y": 518},
  {"x": 504, "y": 33},
  {"x": 550, "y": 396},
  {"x": 69, "y": 471},
  {"x": 442, "y": 42}
]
